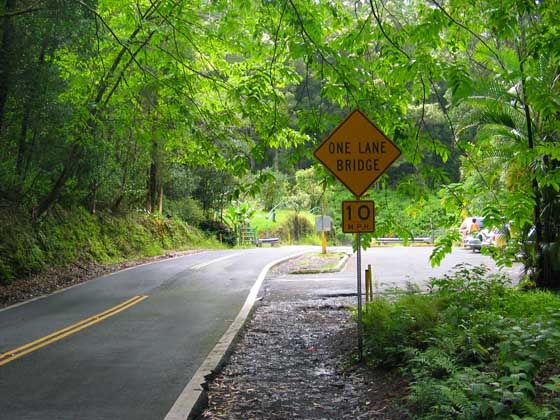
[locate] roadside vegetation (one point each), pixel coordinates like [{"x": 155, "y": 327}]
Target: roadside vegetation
[
  {"x": 71, "y": 237},
  {"x": 472, "y": 347}
]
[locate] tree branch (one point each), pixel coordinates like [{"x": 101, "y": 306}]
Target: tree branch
[
  {"x": 456, "y": 143},
  {"x": 272, "y": 61},
  {"x": 32, "y": 8},
  {"x": 126, "y": 66},
  {"x": 320, "y": 51},
  {"x": 421, "y": 123},
  {"x": 377, "y": 17}
]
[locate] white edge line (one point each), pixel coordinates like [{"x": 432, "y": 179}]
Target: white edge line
[
  {"x": 192, "y": 394},
  {"x": 207, "y": 263},
  {"x": 112, "y": 273}
]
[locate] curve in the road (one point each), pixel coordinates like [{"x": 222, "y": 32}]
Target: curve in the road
[{"x": 192, "y": 396}]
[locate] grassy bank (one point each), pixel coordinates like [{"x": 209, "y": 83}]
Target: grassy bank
[
  {"x": 64, "y": 236},
  {"x": 284, "y": 226}
]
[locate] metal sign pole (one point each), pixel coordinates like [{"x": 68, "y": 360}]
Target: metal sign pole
[
  {"x": 355, "y": 141},
  {"x": 359, "y": 272}
]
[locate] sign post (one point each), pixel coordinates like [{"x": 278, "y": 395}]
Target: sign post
[
  {"x": 357, "y": 153},
  {"x": 358, "y": 217},
  {"x": 359, "y": 293}
]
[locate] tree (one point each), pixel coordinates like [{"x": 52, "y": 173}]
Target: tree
[
  {"x": 274, "y": 190},
  {"x": 239, "y": 215},
  {"x": 508, "y": 98}
]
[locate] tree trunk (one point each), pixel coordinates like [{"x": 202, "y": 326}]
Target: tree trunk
[
  {"x": 94, "y": 197},
  {"x": 548, "y": 253},
  {"x": 276, "y": 160},
  {"x": 101, "y": 99},
  {"x": 125, "y": 168},
  {"x": 116, "y": 205},
  {"x": 67, "y": 171},
  {"x": 151, "y": 196},
  {"x": 538, "y": 241},
  {"x": 32, "y": 94},
  {"x": 6, "y": 57},
  {"x": 22, "y": 143}
]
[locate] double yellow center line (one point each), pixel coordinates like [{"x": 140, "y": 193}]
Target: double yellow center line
[{"x": 16, "y": 353}]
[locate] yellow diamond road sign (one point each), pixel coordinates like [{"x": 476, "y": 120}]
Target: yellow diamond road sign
[{"x": 357, "y": 153}]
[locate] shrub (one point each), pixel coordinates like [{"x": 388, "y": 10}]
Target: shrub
[
  {"x": 220, "y": 231},
  {"x": 187, "y": 209},
  {"x": 469, "y": 289},
  {"x": 295, "y": 226},
  {"x": 392, "y": 328},
  {"x": 473, "y": 347},
  {"x": 20, "y": 250}
]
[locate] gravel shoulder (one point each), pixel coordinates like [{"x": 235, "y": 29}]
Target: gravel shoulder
[{"x": 296, "y": 359}]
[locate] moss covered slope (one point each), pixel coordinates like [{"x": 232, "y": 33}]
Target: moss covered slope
[{"x": 64, "y": 236}]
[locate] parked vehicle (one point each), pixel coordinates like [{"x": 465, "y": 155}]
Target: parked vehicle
[
  {"x": 477, "y": 240},
  {"x": 496, "y": 237}
]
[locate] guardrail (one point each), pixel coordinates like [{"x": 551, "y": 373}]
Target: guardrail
[{"x": 424, "y": 240}]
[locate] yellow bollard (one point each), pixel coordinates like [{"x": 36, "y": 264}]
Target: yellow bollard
[
  {"x": 370, "y": 279},
  {"x": 367, "y": 285},
  {"x": 324, "y": 242}
]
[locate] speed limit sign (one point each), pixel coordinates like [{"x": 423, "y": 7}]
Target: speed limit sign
[{"x": 358, "y": 216}]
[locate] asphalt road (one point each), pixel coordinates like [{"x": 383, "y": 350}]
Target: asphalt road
[
  {"x": 136, "y": 337},
  {"x": 392, "y": 266},
  {"x": 146, "y": 331}
]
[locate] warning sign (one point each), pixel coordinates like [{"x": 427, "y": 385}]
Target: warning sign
[{"x": 357, "y": 153}]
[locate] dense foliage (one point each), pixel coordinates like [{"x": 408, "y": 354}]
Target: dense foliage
[
  {"x": 473, "y": 347},
  {"x": 166, "y": 105}
]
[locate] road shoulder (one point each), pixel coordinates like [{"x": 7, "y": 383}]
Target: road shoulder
[
  {"x": 57, "y": 279},
  {"x": 296, "y": 359}
]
